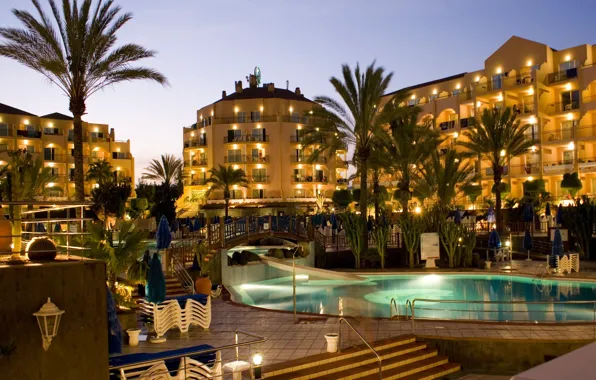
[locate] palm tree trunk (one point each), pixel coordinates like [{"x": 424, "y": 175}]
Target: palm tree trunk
[
  {"x": 376, "y": 191},
  {"x": 17, "y": 231},
  {"x": 363, "y": 205},
  {"x": 227, "y": 200},
  {"x": 77, "y": 107},
  {"x": 498, "y": 216}
]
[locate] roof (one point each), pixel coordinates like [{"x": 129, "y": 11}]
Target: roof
[
  {"x": 407, "y": 89},
  {"x": 13, "y": 111},
  {"x": 264, "y": 93},
  {"x": 57, "y": 116}
]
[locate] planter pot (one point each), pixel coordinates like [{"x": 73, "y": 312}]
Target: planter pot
[
  {"x": 133, "y": 336},
  {"x": 203, "y": 285},
  {"x": 332, "y": 340}
]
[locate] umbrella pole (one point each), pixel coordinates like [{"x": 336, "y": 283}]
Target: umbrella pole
[{"x": 528, "y": 259}]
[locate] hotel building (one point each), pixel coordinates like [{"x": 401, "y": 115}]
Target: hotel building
[
  {"x": 258, "y": 129},
  {"x": 553, "y": 90},
  {"x": 51, "y": 136}
]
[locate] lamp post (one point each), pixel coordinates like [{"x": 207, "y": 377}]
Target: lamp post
[{"x": 48, "y": 319}]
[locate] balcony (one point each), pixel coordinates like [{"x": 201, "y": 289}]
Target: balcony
[
  {"x": 196, "y": 182},
  {"x": 342, "y": 181},
  {"x": 489, "y": 171},
  {"x": 246, "y": 139},
  {"x": 294, "y": 119},
  {"x": 193, "y": 143},
  {"x": 195, "y": 163},
  {"x": 587, "y": 165},
  {"x": 561, "y": 76},
  {"x": 466, "y": 122},
  {"x": 527, "y": 169},
  {"x": 558, "y": 167},
  {"x": 447, "y": 125},
  {"x": 557, "y": 135},
  {"x": 300, "y": 139},
  {"x": 52, "y": 131},
  {"x": 236, "y": 119},
  {"x": 98, "y": 139},
  {"x": 341, "y": 164},
  {"x": 523, "y": 109},
  {"x": 71, "y": 138},
  {"x": 54, "y": 157},
  {"x": 121, "y": 156},
  {"x": 305, "y": 159},
  {"x": 553, "y": 108},
  {"x": 28, "y": 134},
  {"x": 309, "y": 179},
  {"x": 260, "y": 179}
]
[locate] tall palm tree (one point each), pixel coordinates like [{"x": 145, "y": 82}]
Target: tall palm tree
[
  {"x": 497, "y": 137},
  {"x": 76, "y": 51},
  {"x": 443, "y": 177},
  {"x": 355, "y": 120},
  {"x": 167, "y": 171},
  {"x": 223, "y": 179},
  {"x": 410, "y": 144},
  {"x": 100, "y": 172}
]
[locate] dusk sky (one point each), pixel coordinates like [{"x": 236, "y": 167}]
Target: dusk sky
[{"x": 204, "y": 46}]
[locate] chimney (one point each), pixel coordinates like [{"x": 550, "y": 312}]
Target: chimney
[
  {"x": 239, "y": 86},
  {"x": 223, "y": 94},
  {"x": 252, "y": 81},
  {"x": 271, "y": 87},
  {"x": 298, "y": 91},
  {"x": 112, "y": 134}
]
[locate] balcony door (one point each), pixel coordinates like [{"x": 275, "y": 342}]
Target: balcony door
[
  {"x": 234, "y": 155},
  {"x": 259, "y": 175},
  {"x": 49, "y": 154}
]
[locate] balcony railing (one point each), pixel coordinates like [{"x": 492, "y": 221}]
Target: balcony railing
[
  {"x": 560, "y": 76},
  {"x": 198, "y": 142},
  {"x": 489, "y": 171},
  {"x": 71, "y": 138},
  {"x": 466, "y": 122},
  {"x": 196, "y": 182},
  {"x": 523, "y": 109},
  {"x": 562, "y": 166},
  {"x": 97, "y": 139},
  {"x": 246, "y": 138},
  {"x": 587, "y": 165},
  {"x": 294, "y": 119},
  {"x": 195, "y": 163},
  {"x": 318, "y": 160},
  {"x": 257, "y": 159},
  {"x": 342, "y": 181},
  {"x": 300, "y": 139},
  {"x": 121, "y": 156},
  {"x": 558, "y": 134},
  {"x": 526, "y": 169},
  {"x": 309, "y": 179},
  {"x": 52, "y": 131},
  {"x": 447, "y": 125},
  {"x": 260, "y": 179},
  {"x": 28, "y": 134},
  {"x": 246, "y": 119},
  {"x": 562, "y": 107},
  {"x": 54, "y": 157}
]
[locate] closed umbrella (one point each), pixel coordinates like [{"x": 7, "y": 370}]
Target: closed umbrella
[
  {"x": 557, "y": 249},
  {"x": 187, "y": 221},
  {"x": 528, "y": 213},
  {"x": 457, "y": 217},
  {"x": 39, "y": 227},
  {"x": 114, "y": 327},
  {"x": 175, "y": 225},
  {"x": 163, "y": 236},
  {"x": 494, "y": 242},
  {"x": 191, "y": 227},
  {"x": 156, "y": 282},
  {"x": 57, "y": 228},
  {"x": 559, "y": 215},
  {"x": 547, "y": 211},
  {"x": 197, "y": 224},
  {"x": 195, "y": 265},
  {"x": 333, "y": 221},
  {"x": 491, "y": 215},
  {"x": 527, "y": 243}
]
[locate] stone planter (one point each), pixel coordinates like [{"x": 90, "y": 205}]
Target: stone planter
[
  {"x": 133, "y": 337},
  {"x": 332, "y": 341}
]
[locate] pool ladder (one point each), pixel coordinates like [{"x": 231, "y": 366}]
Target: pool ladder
[
  {"x": 393, "y": 308},
  {"x": 537, "y": 279}
]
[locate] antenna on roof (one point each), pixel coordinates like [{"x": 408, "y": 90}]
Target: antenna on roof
[{"x": 287, "y": 85}]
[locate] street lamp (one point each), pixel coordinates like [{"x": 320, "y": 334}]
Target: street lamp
[{"x": 48, "y": 319}]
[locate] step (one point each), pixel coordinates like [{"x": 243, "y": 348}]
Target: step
[
  {"x": 412, "y": 370},
  {"x": 349, "y": 353},
  {"x": 434, "y": 373},
  {"x": 358, "y": 371}
]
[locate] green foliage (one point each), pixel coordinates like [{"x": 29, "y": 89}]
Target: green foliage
[
  {"x": 224, "y": 179},
  {"x": 449, "y": 234},
  {"x": 100, "y": 171},
  {"x": 166, "y": 171},
  {"x": 536, "y": 186},
  {"x": 109, "y": 198},
  {"x": 381, "y": 235},
  {"x": 355, "y": 228},
  {"x": 580, "y": 219},
  {"x": 411, "y": 228},
  {"x": 472, "y": 191},
  {"x": 571, "y": 183},
  {"x": 164, "y": 202},
  {"x": 467, "y": 247},
  {"x": 342, "y": 198},
  {"x": 138, "y": 207},
  {"x": 201, "y": 251},
  {"x": 503, "y": 186}
]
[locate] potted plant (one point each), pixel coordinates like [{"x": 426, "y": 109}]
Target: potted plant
[{"x": 202, "y": 282}]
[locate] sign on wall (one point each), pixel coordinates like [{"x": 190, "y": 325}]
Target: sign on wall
[
  {"x": 429, "y": 245},
  {"x": 564, "y": 234}
]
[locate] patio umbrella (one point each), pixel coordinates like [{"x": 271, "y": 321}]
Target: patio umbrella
[
  {"x": 163, "y": 236},
  {"x": 491, "y": 215},
  {"x": 57, "y": 227},
  {"x": 559, "y": 220},
  {"x": 197, "y": 224},
  {"x": 527, "y": 243},
  {"x": 547, "y": 211},
  {"x": 528, "y": 213},
  {"x": 187, "y": 222},
  {"x": 557, "y": 249},
  {"x": 175, "y": 225},
  {"x": 156, "y": 282},
  {"x": 191, "y": 227},
  {"x": 333, "y": 222},
  {"x": 457, "y": 216},
  {"x": 114, "y": 327},
  {"x": 39, "y": 227},
  {"x": 494, "y": 242},
  {"x": 323, "y": 220}
]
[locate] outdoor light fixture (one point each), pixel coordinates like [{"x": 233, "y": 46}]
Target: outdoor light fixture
[
  {"x": 568, "y": 86},
  {"x": 530, "y": 178},
  {"x": 477, "y": 79},
  {"x": 48, "y": 319},
  {"x": 417, "y": 210},
  {"x": 529, "y": 63},
  {"x": 568, "y": 57},
  {"x": 257, "y": 360},
  {"x": 507, "y": 243},
  {"x": 571, "y": 146},
  {"x": 503, "y": 153},
  {"x": 291, "y": 109},
  {"x": 570, "y": 116}
]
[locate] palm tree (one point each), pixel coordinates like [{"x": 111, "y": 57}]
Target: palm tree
[
  {"x": 76, "y": 52},
  {"x": 410, "y": 144},
  {"x": 167, "y": 171},
  {"x": 443, "y": 177},
  {"x": 356, "y": 120},
  {"x": 497, "y": 137},
  {"x": 100, "y": 172},
  {"x": 223, "y": 179}
]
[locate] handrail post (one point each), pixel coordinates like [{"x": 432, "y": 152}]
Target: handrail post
[{"x": 236, "y": 341}]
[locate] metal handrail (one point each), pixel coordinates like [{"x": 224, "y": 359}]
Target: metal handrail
[
  {"x": 259, "y": 339},
  {"x": 179, "y": 270},
  {"x": 409, "y": 303},
  {"x": 574, "y": 302},
  {"x": 342, "y": 319},
  {"x": 391, "y": 304}
]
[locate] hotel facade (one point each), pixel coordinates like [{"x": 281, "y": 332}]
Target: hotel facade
[
  {"x": 552, "y": 90},
  {"x": 51, "y": 137},
  {"x": 258, "y": 129}
]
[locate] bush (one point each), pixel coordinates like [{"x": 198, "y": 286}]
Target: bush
[
  {"x": 240, "y": 258},
  {"x": 275, "y": 253},
  {"x": 288, "y": 253},
  {"x": 251, "y": 256},
  {"x": 571, "y": 183},
  {"x": 504, "y": 186},
  {"x": 342, "y": 198}
]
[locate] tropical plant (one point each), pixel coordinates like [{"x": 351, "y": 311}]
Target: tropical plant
[
  {"x": 381, "y": 235},
  {"x": 122, "y": 255},
  {"x": 410, "y": 145},
  {"x": 571, "y": 183},
  {"x": 443, "y": 178},
  {"x": 467, "y": 247},
  {"x": 580, "y": 219},
  {"x": 472, "y": 191},
  {"x": 355, "y": 120},
  {"x": 76, "y": 51},
  {"x": 354, "y": 226},
  {"x": 320, "y": 201},
  {"x": 109, "y": 199},
  {"x": 24, "y": 179},
  {"x": 411, "y": 227},
  {"x": 450, "y": 235},
  {"x": 224, "y": 179},
  {"x": 342, "y": 198},
  {"x": 497, "y": 137},
  {"x": 168, "y": 171},
  {"x": 138, "y": 207},
  {"x": 100, "y": 171}
]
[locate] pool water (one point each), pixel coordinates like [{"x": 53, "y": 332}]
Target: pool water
[{"x": 372, "y": 296}]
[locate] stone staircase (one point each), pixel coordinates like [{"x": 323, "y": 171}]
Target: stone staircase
[
  {"x": 173, "y": 289},
  {"x": 402, "y": 358}
]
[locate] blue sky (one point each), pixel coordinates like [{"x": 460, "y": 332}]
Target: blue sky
[{"x": 204, "y": 46}]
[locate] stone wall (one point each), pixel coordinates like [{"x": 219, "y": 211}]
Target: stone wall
[{"x": 80, "y": 350}]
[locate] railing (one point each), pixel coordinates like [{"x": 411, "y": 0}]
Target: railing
[
  {"x": 318, "y": 160},
  {"x": 338, "y": 242},
  {"x": 198, "y": 142},
  {"x": 121, "y": 156},
  {"x": 560, "y": 76},
  {"x": 241, "y": 159},
  {"x": 54, "y": 157},
  {"x": 257, "y": 340},
  {"x": 342, "y": 319},
  {"x": 179, "y": 271},
  {"x": 392, "y": 307},
  {"x": 503, "y": 312},
  {"x": 196, "y": 182},
  {"x": 447, "y": 125},
  {"x": 309, "y": 179},
  {"x": 299, "y": 139},
  {"x": 30, "y": 134},
  {"x": 236, "y": 119},
  {"x": 557, "y": 134},
  {"x": 246, "y": 138},
  {"x": 523, "y": 109},
  {"x": 562, "y": 107},
  {"x": 260, "y": 179},
  {"x": 295, "y": 119},
  {"x": 466, "y": 122}
]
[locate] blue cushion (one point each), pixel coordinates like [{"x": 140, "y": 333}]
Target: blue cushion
[
  {"x": 172, "y": 364},
  {"x": 202, "y": 298}
]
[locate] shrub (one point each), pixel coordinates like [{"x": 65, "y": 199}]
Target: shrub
[{"x": 571, "y": 183}]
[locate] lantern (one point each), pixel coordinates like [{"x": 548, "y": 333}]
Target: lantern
[{"x": 48, "y": 319}]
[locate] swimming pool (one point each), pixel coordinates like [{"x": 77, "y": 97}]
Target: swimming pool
[{"x": 372, "y": 296}]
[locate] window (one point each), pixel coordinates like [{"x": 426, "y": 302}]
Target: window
[
  {"x": 567, "y": 128},
  {"x": 456, "y": 91},
  {"x": 50, "y": 131},
  {"x": 295, "y": 118},
  {"x": 258, "y": 193},
  {"x": 568, "y": 157},
  {"x": 72, "y": 153},
  {"x": 70, "y": 134},
  {"x": 256, "y": 155},
  {"x": 48, "y": 154},
  {"x": 234, "y": 135},
  {"x": 299, "y": 175},
  {"x": 412, "y": 102},
  {"x": 433, "y": 97},
  {"x": 234, "y": 155},
  {"x": 95, "y": 136},
  {"x": 259, "y": 175},
  {"x": 570, "y": 100},
  {"x": 236, "y": 194},
  {"x": 3, "y": 129},
  {"x": 497, "y": 81},
  {"x": 568, "y": 65},
  {"x": 71, "y": 174},
  {"x": 30, "y": 149},
  {"x": 255, "y": 116},
  {"x": 241, "y": 117}
]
